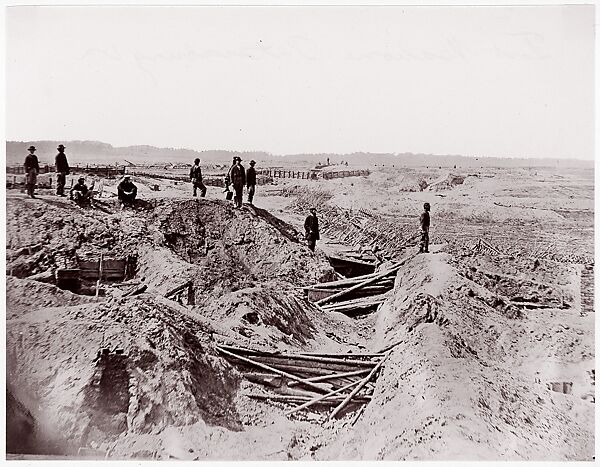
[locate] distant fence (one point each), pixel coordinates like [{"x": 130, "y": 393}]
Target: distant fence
[
  {"x": 104, "y": 170},
  {"x": 208, "y": 180},
  {"x": 312, "y": 175}
]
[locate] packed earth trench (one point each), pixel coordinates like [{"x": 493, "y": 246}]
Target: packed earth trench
[{"x": 182, "y": 328}]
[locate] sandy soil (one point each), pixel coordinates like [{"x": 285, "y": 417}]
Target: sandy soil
[{"x": 477, "y": 336}]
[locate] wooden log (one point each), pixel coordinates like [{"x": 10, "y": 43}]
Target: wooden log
[
  {"x": 316, "y": 367},
  {"x": 179, "y": 288},
  {"x": 349, "y": 355},
  {"x": 354, "y": 280},
  {"x": 289, "y": 398},
  {"x": 358, "y": 387},
  {"x": 303, "y": 356},
  {"x": 270, "y": 368},
  {"x": 332, "y": 376},
  {"x": 320, "y": 398},
  {"x": 359, "y": 285}
]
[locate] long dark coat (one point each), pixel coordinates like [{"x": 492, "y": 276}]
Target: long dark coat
[
  {"x": 237, "y": 175},
  {"x": 311, "y": 226},
  {"x": 62, "y": 166}
]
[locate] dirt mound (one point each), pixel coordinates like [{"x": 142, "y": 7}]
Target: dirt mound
[
  {"x": 168, "y": 376},
  {"x": 23, "y": 295},
  {"x": 446, "y": 182},
  {"x": 245, "y": 266},
  {"x": 465, "y": 378}
]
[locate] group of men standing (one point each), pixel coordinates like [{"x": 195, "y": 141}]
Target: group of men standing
[
  {"x": 32, "y": 170},
  {"x": 80, "y": 193},
  {"x": 237, "y": 177}
]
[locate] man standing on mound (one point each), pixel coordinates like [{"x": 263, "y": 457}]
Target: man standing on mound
[
  {"x": 196, "y": 178},
  {"x": 237, "y": 177},
  {"x": 62, "y": 170},
  {"x": 32, "y": 169},
  {"x": 425, "y": 229},
  {"x": 311, "y": 227}
]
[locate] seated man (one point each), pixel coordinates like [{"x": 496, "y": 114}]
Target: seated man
[
  {"x": 127, "y": 191},
  {"x": 80, "y": 193}
]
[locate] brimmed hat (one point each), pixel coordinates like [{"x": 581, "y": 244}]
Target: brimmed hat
[
  {"x": 31, "y": 148},
  {"x": 313, "y": 209},
  {"x": 237, "y": 158},
  {"x": 60, "y": 146},
  {"x": 252, "y": 162}
]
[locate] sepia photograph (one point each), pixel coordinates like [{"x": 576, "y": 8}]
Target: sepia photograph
[{"x": 299, "y": 233}]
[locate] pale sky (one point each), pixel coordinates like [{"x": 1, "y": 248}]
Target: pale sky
[{"x": 477, "y": 81}]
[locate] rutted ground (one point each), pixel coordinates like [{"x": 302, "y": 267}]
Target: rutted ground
[{"x": 476, "y": 339}]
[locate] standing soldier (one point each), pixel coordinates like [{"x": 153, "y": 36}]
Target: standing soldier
[
  {"x": 251, "y": 181},
  {"x": 196, "y": 178},
  {"x": 425, "y": 229},
  {"x": 237, "y": 176},
  {"x": 62, "y": 170},
  {"x": 311, "y": 227},
  {"x": 32, "y": 168}
]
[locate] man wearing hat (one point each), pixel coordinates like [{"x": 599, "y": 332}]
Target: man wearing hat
[
  {"x": 237, "y": 176},
  {"x": 196, "y": 178},
  {"x": 127, "y": 191},
  {"x": 62, "y": 170},
  {"x": 311, "y": 227},
  {"x": 251, "y": 181},
  {"x": 424, "y": 247},
  {"x": 80, "y": 193},
  {"x": 32, "y": 169}
]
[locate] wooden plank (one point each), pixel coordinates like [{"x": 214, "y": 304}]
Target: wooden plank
[
  {"x": 332, "y": 376},
  {"x": 359, "y": 285},
  {"x": 306, "y": 357},
  {"x": 358, "y": 387},
  {"x": 320, "y": 398},
  {"x": 270, "y": 368}
]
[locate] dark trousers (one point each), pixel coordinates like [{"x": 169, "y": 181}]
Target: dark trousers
[
  {"x": 311, "y": 241},
  {"x": 82, "y": 199},
  {"x": 202, "y": 189},
  {"x": 237, "y": 197},
  {"x": 127, "y": 198},
  {"x": 61, "y": 180},
  {"x": 251, "y": 190},
  {"x": 424, "y": 246},
  {"x": 30, "y": 181}
]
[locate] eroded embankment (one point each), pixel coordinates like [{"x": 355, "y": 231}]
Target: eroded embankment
[
  {"x": 466, "y": 378},
  {"x": 245, "y": 267}
]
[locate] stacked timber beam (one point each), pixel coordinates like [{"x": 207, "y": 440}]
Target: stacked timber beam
[
  {"x": 357, "y": 295},
  {"x": 309, "y": 380}
]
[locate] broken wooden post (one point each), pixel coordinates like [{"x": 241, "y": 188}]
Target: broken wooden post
[
  {"x": 358, "y": 387},
  {"x": 360, "y": 284},
  {"x": 320, "y": 398},
  {"x": 271, "y": 369}
]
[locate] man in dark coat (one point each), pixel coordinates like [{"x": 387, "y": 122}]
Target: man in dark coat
[
  {"x": 311, "y": 227},
  {"x": 127, "y": 191},
  {"x": 196, "y": 178},
  {"x": 80, "y": 193},
  {"x": 32, "y": 169},
  {"x": 237, "y": 176},
  {"x": 424, "y": 247},
  {"x": 251, "y": 181},
  {"x": 62, "y": 170}
]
